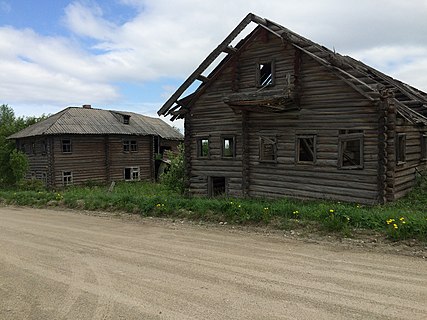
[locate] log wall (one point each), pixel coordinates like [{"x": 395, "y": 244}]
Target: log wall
[{"x": 327, "y": 106}]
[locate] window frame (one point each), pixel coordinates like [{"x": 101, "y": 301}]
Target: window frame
[
  {"x": 347, "y": 137},
  {"x": 261, "y": 148},
  {"x": 132, "y": 171},
  {"x": 67, "y": 178},
  {"x": 199, "y": 147},
  {"x": 298, "y": 138},
  {"x": 399, "y": 147},
  {"x": 232, "y": 139},
  {"x": 258, "y": 74},
  {"x": 64, "y": 146}
]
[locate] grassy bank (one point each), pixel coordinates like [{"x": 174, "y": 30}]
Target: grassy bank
[{"x": 404, "y": 219}]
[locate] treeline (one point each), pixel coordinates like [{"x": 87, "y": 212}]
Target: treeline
[{"x": 13, "y": 163}]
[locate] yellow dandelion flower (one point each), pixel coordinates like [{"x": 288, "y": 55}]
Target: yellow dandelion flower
[
  {"x": 395, "y": 226},
  {"x": 331, "y": 210},
  {"x": 239, "y": 206},
  {"x": 401, "y": 218},
  {"x": 403, "y": 222}
]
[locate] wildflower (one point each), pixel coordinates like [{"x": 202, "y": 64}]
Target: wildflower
[
  {"x": 295, "y": 212},
  {"x": 239, "y": 206},
  {"x": 348, "y": 218},
  {"x": 403, "y": 222},
  {"x": 395, "y": 226},
  {"x": 389, "y": 221},
  {"x": 331, "y": 210},
  {"x": 401, "y": 218},
  {"x": 358, "y": 206},
  {"x": 266, "y": 209},
  {"x": 231, "y": 202},
  {"x": 158, "y": 205}
]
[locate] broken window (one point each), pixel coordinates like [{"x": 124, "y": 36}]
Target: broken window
[
  {"x": 66, "y": 145},
  {"x": 350, "y": 149},
  {"x": 216, "y": 186},
  {"x": 67, "y": 178},
  {"x": 203, "y": 147},
  {"x": 401, "y": 148},
  {"x": 265, "y": 74},
  {"x": 267, "y": 149},
  {"x": 228, "y": 148},
  {"x": 305, "y": 149},
  {"x": 131, "y": 174}
]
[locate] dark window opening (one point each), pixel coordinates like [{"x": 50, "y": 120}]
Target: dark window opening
[
  {"x": 265, "y": 71},
  {"x": 33, "y": 148},
  {"x": 66, "y": 145},
  {"x": 203, "y": 148},
  {"x": 350, "y": 150},
  {"x": 268, "y": 149},
  {"x": 401, "y": 148},
  {"x": 126, "y": 119},
  {"x": 217, "y": 186},
  {"x": 424, "y": 146},
  {"x": 44, "y": 147},
  {"x": 133, "y": 146},
  {"x": 306, "y": 149},
  {"x": 228, "y": 147}
]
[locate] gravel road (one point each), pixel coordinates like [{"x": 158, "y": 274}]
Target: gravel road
[{"x": 69, "y": 265}]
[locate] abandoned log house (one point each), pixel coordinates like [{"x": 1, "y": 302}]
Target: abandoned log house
[
  {"x": 81, "y": 144},
  {"x": 280, "y": 115}
]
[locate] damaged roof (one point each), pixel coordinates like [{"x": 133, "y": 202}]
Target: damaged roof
[
  {"x": 411, "y": 103},
  {"x": 90, "y": 121}
]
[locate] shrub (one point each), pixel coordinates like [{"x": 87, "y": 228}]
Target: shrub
[{"x": 174, "y": 177}]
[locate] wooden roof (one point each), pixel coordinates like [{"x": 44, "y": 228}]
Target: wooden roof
[
  {"x": 89, "y": 121},
  {"x": 369, "y": 82}
]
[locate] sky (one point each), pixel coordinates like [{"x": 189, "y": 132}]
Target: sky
[{"x": 133, "y": 54}]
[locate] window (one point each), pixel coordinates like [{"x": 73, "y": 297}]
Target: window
[
  {"x": 267, "y": 149},
  {"x": 228, "y": 148},
  {"x": 216, "y": 186},
  {"x": 66, "y": 145},
  {"x": 203, "y": 148},
  {"x": 424, "y": 146},
  {"x": 305, "y": 149},
  {"x": 44, "y": 147},
  {"x": 130, "y": 145},
  {"x": 131, "y": 174},
  {"x": 23, "y": 148},
  {"x": 401, "y": 148},
  {"x": 265, "y": 74},
  {"x": 67, "y": 178},
  {"x": 350, "y": 149},
  {"x": 33, "y": 147},
  {"x": 126, "y": 119}
]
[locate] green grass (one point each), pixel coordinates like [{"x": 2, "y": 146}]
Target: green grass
[{"x": 403, "y": 219}]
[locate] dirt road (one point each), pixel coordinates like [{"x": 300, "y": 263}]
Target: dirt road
[{"x": 67, "y": 265}]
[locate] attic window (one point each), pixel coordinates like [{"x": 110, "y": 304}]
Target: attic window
[
  {"x": 126, "y": 119},
  {"x": 265, "y": 74}
]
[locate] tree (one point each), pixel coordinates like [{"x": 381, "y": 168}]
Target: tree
[{"x": 13, "y": 163}]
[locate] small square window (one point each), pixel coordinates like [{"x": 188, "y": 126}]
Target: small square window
[
  {"x": 401, "y": 148},
  {"x": 350, "y": 150},
  {"x": 306, "y": 149},
  {"x": 203, "y": 147},
  {"x": 67, "y": 178},
  {"x": 228, "y": 148},
  {"x": 130, "y": 145},
  {"x": 66, "y": 145},
  {"x": 268, "y": 149}
]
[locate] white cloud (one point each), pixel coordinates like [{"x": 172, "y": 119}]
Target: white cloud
[{"x": 169, "y": 39}]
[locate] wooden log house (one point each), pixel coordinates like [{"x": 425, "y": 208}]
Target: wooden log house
[
  {"x": 283, "y": 116},
  {"x": 77, "y": 145}
]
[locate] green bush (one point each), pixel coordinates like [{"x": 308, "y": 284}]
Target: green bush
[{"x": 174, "y": 178}]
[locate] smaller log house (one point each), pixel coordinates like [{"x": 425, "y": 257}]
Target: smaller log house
[
  {"x": 280, "y": 115},
  {"x": 81, "y": 144}
]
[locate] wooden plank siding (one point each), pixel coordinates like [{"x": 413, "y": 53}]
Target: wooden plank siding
[{"x": 327, "y": 106}]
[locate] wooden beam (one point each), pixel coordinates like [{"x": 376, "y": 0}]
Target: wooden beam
[
  {"x": 230, "y": 50},
  {"x": 207, "y": 62},
  {"x": 202, "y": 78}
]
